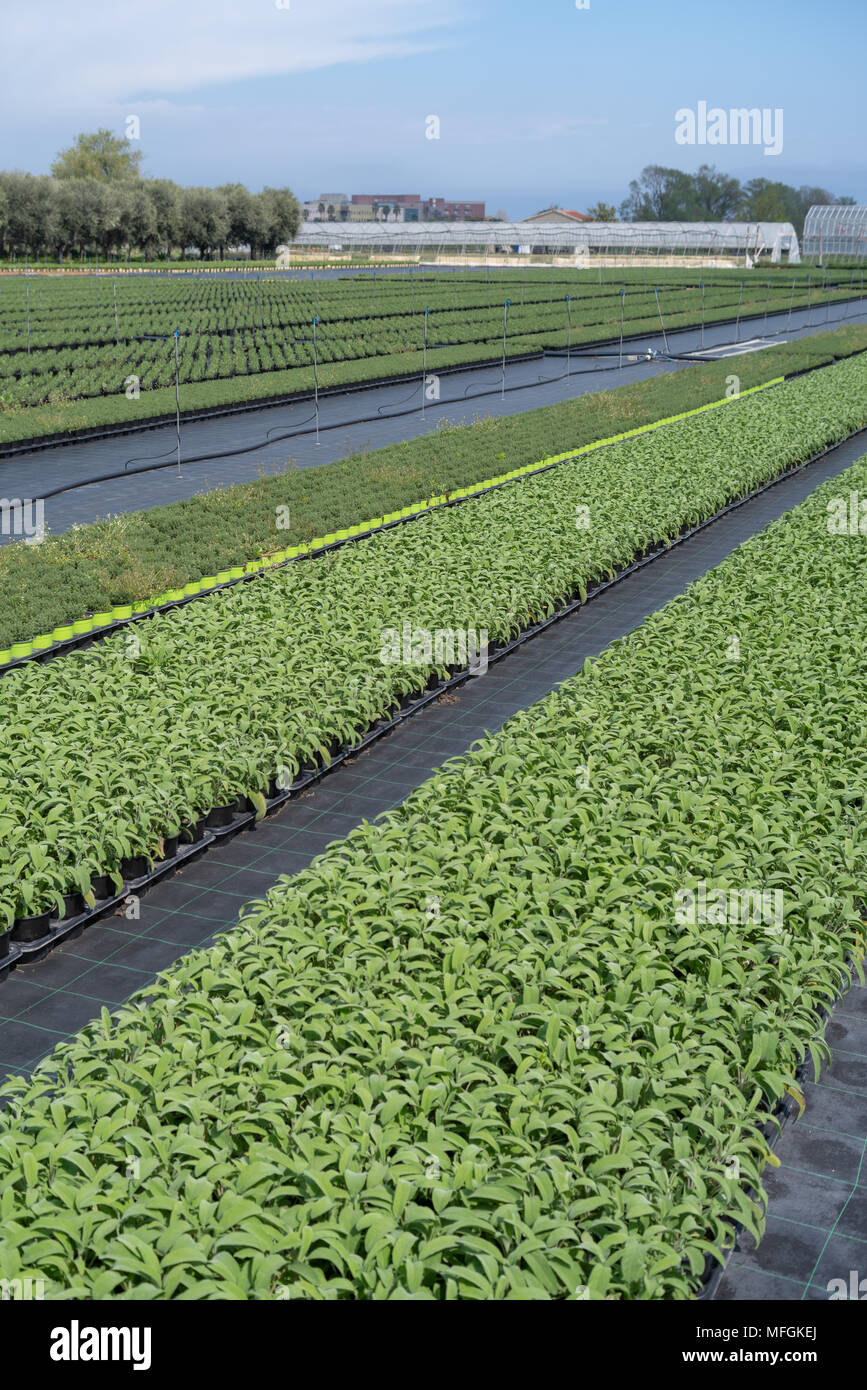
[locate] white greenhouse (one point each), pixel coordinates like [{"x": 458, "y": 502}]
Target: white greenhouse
[
  {"x": 832, "y": 229},
  {"x": 741, "y": 243}
]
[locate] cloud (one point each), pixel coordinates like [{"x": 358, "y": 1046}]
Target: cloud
[{"x": 112, "y": 51}]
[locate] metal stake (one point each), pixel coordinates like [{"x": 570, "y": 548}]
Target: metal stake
[
  {"x": 178, "y": 398},
  {"x": 505, "y": 316},
  {"x": 424, "y": 364},
  {"x": 661, "y": 324},
  {"x": 316, "y": 378}
]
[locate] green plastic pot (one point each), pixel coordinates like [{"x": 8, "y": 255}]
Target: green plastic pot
[
  {"x": 142, "y": 607},
  {"x": 43, "y": 642},
  {"x": 236, "y": 572},
  {"x": 208, "y": 582},
  {"x": 19, "y": 649},
  {"x": 124, "y": 610},
  {"x": 82, "y": 625},
  {"x": 173, "y": 595},
  {"x": 5, "y": 656},
  {"x": 224, "y": 576},
  {"x": 194, "y": 587},
  {"x": 101, "y": 619},
  {"x": 63, "y": 634}
]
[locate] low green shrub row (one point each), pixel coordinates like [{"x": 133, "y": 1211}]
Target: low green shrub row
[
  {"x": 113, "y": 747},
  {"x": 100, "y": 621},
  {"x": 483, "y": 1049},
  {"x": 63, "y": 386},
  {"x": 133, "y": 557}
]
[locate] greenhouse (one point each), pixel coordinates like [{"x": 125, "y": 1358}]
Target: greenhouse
[
  {"x": 832, "y": 229},
  {"x": 736, "y": 242}
]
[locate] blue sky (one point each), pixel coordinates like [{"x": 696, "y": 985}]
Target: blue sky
[{"x": 537, "y": 102}]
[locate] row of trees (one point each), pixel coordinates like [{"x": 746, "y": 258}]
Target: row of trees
[
  {"x": 95, "y": 200},
  {"x": 709, "y": 195}
]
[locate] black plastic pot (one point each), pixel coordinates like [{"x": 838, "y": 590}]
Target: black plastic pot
[
  {"x": 5, "y": 938},
  {"x": 134, "y": 866},
  {"x": 222, "y": 815},
  {"x": 73, "y": 903},
  {"x": 170, "y": 846},
  {"x": 103, "y": 886},
  {"x": 31, "y": 928},
  {"x": 193, "y": 831}
]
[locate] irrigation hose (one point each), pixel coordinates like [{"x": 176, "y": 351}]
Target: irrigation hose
[
  {"x": 164, "y": 462},
  {"x": 126, "y": 472}
]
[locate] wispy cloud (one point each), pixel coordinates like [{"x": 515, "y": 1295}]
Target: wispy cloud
[{"x": 111, "y": 51}]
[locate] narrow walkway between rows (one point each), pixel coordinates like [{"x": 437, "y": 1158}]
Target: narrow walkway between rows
[{"x": 816, "y": 1233}]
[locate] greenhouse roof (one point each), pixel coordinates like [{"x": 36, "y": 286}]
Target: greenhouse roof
[
  {"x": 836, "y": 229},
  {"x": 737, "y": 236}
]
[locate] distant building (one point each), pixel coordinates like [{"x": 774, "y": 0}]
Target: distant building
[
  {"x": 411, "y": 207},
  {"x": 328, "y": 207},
  {"x": 438, "y": 209},
  {"x": 558, "y": 215},
  {"x": 385, "y": 207}
]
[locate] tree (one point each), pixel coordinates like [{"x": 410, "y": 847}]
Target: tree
[
  {"x": 765, "y": 200},
  {"x": 137, "y": 218},
  {"x": 658, "y": 195},
  {"x": 31, "y": 211},
  {"x": 278, "y": 220},
  {"x": 204, "y": 219},
  {"x": 602, "y": 212},
  {"x": 165, "y": 197},
  {"x": 716, "y": 195},
  {"x": 241, "y": 208},
  {"x": 99, "y": 155},
  {"x": 85, "y": 212},
  {"x": 670, "y": 195}
]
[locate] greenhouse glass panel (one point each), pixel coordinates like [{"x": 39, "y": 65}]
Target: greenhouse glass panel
[{"x": 832, "y": 229}]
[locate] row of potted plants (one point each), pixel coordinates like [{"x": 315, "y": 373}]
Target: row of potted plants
[
  {"x": 492, "y": 1047},
  {"x": 111, "y": 749},
  {"x": 96, "y": 622}
]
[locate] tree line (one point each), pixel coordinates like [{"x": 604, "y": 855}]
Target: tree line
[
  {"x": 709, "y": 195},
  {"x": 96, "y": 201}
]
